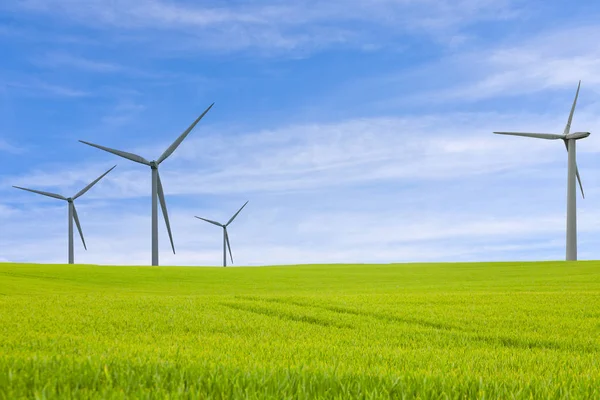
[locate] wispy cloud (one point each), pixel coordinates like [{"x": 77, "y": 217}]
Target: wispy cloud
[
  {"x": 42, "y": 89},
  {"x": 65, "y": 61},
  {"x": 123, "y": 112},
  {"x": 554, "y": 59},
  {"x": 7, "y": 147},
  {"x": 308, "y": 157},
  {"x": 305, "y": 24},
  {"x": 152, "y": 12},
  {"x": 261, "y": 237},
  {"x": 62, "y": 60}
]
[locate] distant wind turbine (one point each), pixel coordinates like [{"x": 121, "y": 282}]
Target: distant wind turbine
[
  {"x": 157, "y": 189},
  {"x": 72, "y": 211},
  {"x": 226, "y": 244},
  {"x": 572, "y": 172}
]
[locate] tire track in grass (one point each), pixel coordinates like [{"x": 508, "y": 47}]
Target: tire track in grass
[
  {"x": 534, "y": 343},
  {"x": 361, "y": 313},
  {"x": 34, "y": 276},
  {"x": 287, "y": 316},
  {"x": 504, "y": 341}
]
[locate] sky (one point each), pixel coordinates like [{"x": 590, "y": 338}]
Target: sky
[{"x": 360, "y": 131}]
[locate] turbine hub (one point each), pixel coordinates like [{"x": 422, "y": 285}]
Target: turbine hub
[
  {"x": 153, "y": 165},
  {"x": 70, "y": 199}
]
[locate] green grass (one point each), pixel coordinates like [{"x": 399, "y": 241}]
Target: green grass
[{"x": 429, "y": 331}]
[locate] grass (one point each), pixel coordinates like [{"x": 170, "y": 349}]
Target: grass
[{"x": 429, "y": 331}]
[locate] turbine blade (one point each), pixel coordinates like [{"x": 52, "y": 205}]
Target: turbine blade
[
  {"x": 212, "y": 222},
  {"x": 178, "y": 141},
  {"x": 76, "y": 218},
  {"x": 236, "y": 214},
  {"x": 124, "y": 154},
  {"x": 163, "y": 205},
  {"x": 228, "y": 245},
  {"x": 579, "y": 180},
  {"x": 576, "y": 171},
  {"x": 568, "y": 127},
  {"x": 550, "y": 136},
  {"x": 88, "y": 187},
  {"x": 56, "y": 196}
]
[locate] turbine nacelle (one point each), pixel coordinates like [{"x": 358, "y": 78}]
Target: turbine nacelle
[{"x": 577, "y": 135}]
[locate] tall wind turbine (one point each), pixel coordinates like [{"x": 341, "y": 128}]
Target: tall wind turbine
[
  {"x": 226, "y": 244},
  {"x": 572, "y": 172},
  {"x": 72, "y": 211},
  {"x": 157, "y": 189}
]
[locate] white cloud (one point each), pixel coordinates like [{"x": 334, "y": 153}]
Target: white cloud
[
  {"x": 177, "y": 14},
  {"x": 7, "y": 147},
  {"x": 308, "y": 157},
  {"x": 554, "y": 59},
  {"x": 39, "y": 88},
  {"x": 278, "y": 25},
  {"x": 61, "y": 60},
  {"x": 260, "y": 237}
]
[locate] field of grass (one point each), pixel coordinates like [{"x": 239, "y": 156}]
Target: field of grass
[{"x": 429, "y": 331}]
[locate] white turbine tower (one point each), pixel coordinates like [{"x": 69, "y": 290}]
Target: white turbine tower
[
  {"x": 157, "y": 189},
  {"x": 72, "y": 211},
  {"x": 226, "y": 244},
  {"x": 572, "y": 173}
]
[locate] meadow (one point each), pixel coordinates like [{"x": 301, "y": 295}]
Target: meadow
[{"x": 428, "y": 331}]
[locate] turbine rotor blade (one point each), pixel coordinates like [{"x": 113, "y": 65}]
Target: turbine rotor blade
[
  {"x": 549, "y": 136},
  {"x": 163, "y": 205},
  {"x": 228, "y": 245},
  {"x": 124, "y": 154},
  {"x": 212, "y": 222},
  {"x": 56, "y": 196},
  {"x": 579, "y": 180},
  {"x": 576, "y": 171},
  {"x": 568, "y": 127},
  {"x": 236, "y": 214},
  {"x": 76, "y": 218},
  {"x": 88, "y": 187},
  {"x": 178, "y": 141}
]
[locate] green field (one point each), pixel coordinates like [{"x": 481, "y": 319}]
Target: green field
[{"x": 429, "y": 331}]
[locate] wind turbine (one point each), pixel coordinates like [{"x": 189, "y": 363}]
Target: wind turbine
[
  {"x": 72, "y": 211},
  {"x": 157, "y": 189},
  {"x": 226, "y": 244},
  {"x": 572, "y": 172}
]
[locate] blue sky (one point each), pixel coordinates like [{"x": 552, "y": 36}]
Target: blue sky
[{"x": 359, "y": 130}]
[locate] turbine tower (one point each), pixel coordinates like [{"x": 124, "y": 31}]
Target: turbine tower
[
  {"x": 72, "y": 211},
  {"x": 157, "y": 189},
  {"x": 226, "y": 244},
  {"x": 572, "y": 172}
]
